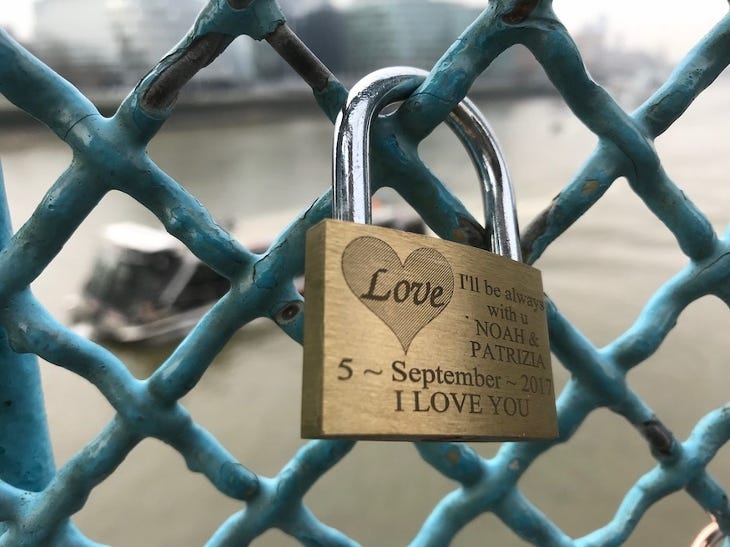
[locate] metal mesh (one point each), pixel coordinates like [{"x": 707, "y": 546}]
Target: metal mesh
[{"x": 37, "y": 501}]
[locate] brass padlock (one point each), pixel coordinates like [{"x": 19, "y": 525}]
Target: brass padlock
[{"x": 408, "y": 337}]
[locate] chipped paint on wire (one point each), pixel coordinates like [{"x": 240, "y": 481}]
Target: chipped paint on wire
[{"x": 37, "y": 501}]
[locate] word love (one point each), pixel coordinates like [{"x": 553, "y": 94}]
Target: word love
[
  {"x": 406, "y": 296},
  {"x": 404, "y": 290}
]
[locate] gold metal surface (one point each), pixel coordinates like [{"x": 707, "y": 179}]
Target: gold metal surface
[{"x": 408, "y": 337}]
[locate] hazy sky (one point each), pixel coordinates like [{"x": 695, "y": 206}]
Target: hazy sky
[{"x": 669, "y": 25}]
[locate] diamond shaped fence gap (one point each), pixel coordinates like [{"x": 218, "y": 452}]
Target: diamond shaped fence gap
[{"x": 38, "y": 496}]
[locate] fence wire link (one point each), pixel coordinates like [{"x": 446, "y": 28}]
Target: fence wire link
[{"x": 37, "y": 501}]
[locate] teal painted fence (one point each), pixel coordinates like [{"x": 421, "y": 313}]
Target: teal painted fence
[{"x": 37, "y": 500}]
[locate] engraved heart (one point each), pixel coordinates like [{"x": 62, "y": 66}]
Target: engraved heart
[{"x": 406, "y": 296}]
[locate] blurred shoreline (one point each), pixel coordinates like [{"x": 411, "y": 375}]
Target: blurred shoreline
[{"x": 287, "y": 98}]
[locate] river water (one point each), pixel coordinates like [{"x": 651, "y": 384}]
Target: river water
[{"x": 599, "y": 274}]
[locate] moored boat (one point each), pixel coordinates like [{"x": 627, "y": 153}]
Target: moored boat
[{"x": 146, "y": 286}]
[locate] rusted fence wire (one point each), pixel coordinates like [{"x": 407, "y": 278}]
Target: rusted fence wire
[{"x": 37, "y": 500}]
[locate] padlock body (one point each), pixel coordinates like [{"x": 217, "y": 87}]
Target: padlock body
[{"x": 409, "y": 337}]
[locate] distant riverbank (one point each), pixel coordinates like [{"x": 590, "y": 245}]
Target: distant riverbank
[{"x": 287, "y": 98}]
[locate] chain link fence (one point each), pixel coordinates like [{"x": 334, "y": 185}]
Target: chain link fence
[{"x": 37, "y": 500}]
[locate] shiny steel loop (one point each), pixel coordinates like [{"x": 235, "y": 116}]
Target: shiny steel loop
[{"x": 351, "y": 170}]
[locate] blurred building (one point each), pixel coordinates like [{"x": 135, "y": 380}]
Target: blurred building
[
  {"x": 145, "y": 30},
  {"x": 113, "y": 43},
  {"x": 294, "y": 9},
  {"x": 320, "y": 25},
  {"x": 105, "y": 42},
  {"x": 76, "y": 37},
  {"x": 148, "y": 29},
  {"x": 402, "y": 32},
  {"x": 371, "y": 34}
]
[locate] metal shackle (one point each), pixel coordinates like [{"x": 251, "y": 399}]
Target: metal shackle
[{"x": 351, "y": 169}]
